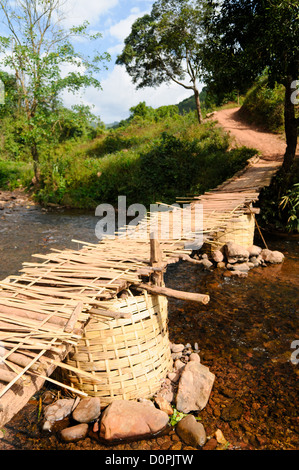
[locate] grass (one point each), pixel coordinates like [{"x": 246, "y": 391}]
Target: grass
[{"x": 146, "y": 161}]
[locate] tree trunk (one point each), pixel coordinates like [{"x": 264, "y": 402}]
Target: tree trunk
[
  {"x": 198, "y": 106},
  {"x": 291, "y": 126},
  {"x": 35, "y": 157}
]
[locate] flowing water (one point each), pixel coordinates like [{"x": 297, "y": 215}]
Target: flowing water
[{"x": 245, "y": 336}]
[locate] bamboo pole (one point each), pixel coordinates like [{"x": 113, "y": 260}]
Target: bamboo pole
[{"x": 201, "y": 298}]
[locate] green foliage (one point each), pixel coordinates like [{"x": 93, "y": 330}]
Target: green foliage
[
  {"x": 245, "y": 37},
  {"x": 177, "y": 416},
  {"x": 36, "y": 48},
  {"x": 279, "y": 202},
  {"x": 264, "y": 106},
  {"x": 166, "y": 45},
  {"x": 14, "y": 174},
  {"x": 290, "y": 203},
  {"x": 167, "y": 159}
]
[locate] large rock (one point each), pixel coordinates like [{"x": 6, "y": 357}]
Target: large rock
[
  {"x": 127, "y": 419},
  {"x": 88, "y": 410},
  {"x": 236, "y": 253},
  {"x": 194, "y": 388},
  {"x": 273, "y": 257},
  {"x": 191, "y": 431}
]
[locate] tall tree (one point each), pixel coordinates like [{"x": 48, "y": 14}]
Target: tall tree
[
  {"x": 243, "y": 37},
  {"x": 35, "y": 47},
  {"x": 165, "y": 46}
]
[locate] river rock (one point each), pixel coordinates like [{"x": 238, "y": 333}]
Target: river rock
[
  {"x": 57, "y": 411},
  {"x": 206, "y": 264},
  {"x": 236, "y": 253},
  {"x": 167, "y": 390},
  {"x": 273, "y": 257},
  {"x": 179, "y": 365},
  {"x": 174, "y": 376},
  {"x": 87, "y": 410},
  {"x": 164, "y": 405},
  {"x": 217, "y": 256},
  {"x": 254, "y": 250},
  {"x": 191, "y": 431},
  {"x": 194, "y": 387},
  {"x": 127, "y": 419},
  {"x": 177, "y": 348},
  {"x": 243, "y": 267},
  {"x": 221, "y": 265},
  {"x": 74, "y": 433},
  {"x": 194, "y": 357},
  {"x": 176, "y": 356}
]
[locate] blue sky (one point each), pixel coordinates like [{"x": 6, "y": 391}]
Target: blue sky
[{"x": 113, "y": 19}]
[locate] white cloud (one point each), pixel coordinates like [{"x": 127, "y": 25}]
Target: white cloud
[
  {"x": 115, "y": 50},
  {"x": 77, "y": 11},
  {"x": 119, "y": 94},
  {"x": 122, "y": 29}
]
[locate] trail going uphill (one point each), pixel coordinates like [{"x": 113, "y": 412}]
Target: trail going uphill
[{"x": 271, "y": 146}]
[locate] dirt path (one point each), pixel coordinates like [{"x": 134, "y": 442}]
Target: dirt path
[{"x": 271, "y": 146}]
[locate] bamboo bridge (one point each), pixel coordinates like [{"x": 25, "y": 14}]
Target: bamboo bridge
[{"x": 44, "y": 309}]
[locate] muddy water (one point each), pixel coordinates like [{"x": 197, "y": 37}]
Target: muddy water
[{"x": 244, "y": 334}]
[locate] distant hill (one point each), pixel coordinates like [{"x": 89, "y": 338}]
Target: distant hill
[
  {"x": 113, "y": 124},
  {"x": 187, "y": 105}
]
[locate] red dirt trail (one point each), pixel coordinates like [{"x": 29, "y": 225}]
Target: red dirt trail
[{"x": 271, "y": 146}]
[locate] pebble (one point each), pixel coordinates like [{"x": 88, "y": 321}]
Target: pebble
[
  {"x": 177, "y": 348},
  {"x": 176, "y": 355},
  {"x": 178, "y": 365},
  {"x": 164, "y": 405},
  {"x": 191, "y": 431},
  {"x": 74, "y": 433},
  {"x": 211, "y": 444}
]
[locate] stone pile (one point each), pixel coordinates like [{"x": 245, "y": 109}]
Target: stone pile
[
  {"x": 237, "y": 260},
  {"x": 186, "y": 389}
]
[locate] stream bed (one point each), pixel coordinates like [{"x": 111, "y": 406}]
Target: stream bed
[{"x": 245, "y": 337}]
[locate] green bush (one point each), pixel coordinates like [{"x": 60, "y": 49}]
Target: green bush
[
  {"x": 279, "y": 202},
  {"x": 264, "y": 106},
  {"x": 15, "y": 174},
  {"x": 182, "y": 159}
]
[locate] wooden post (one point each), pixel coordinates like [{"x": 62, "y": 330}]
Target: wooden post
[{"x": 156, "y": 261}]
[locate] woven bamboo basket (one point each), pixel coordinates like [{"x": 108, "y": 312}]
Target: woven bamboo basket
[
  {"x": 239, "y": 230},
  {"x": 128, "y": 357}
]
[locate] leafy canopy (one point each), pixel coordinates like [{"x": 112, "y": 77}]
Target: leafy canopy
[
  {"x": 39, "y": 50},
  {"x": 165, "y": 45}
]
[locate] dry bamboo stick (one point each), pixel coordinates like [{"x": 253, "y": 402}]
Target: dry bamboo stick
[
  {"x": 24, "y": 313},
  {"x": 8, "y": 377},
  {"x": 201, "y": 298},
  {"x": 74, "y": 318},
  {"x": 19, "y": 359}
]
